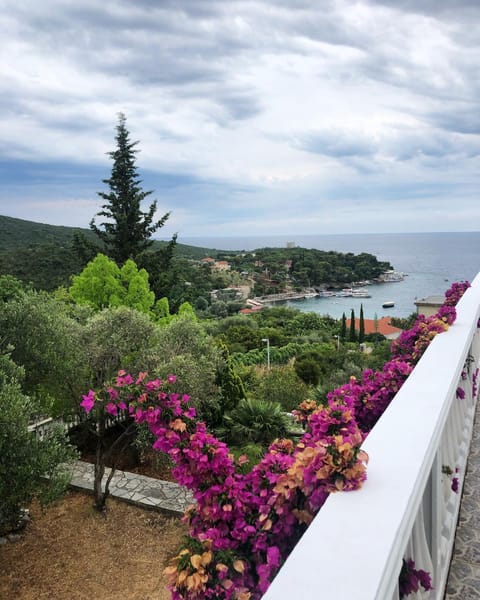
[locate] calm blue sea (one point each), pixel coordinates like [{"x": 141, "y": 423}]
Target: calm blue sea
[{"x": 431, "y": 261}]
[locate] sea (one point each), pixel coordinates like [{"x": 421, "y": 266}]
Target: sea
[{"x": 431, "y": 262}]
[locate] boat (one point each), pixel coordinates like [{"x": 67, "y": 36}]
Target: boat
[
  {"x": 310, "y": 295},
  {"x": 388, "y": 304},
  {"x": 326, "y": 294},
  {"x": 354, "y": 293},
  {"x": 360, "y": 293},
  {"x": 391, "y": 276}
]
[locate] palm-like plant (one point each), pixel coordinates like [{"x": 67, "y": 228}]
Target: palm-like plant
[{"x": 254, "y": 421}]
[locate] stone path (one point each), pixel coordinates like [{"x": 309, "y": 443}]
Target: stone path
[
  {"x": 136, "y": 489},
  {"x": 464, "y": 577}
]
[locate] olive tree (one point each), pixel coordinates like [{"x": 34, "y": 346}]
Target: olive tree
[{"x": 30, "y": 466}]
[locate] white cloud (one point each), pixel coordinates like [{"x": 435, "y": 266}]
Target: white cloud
[{"x": 259, "y": 109}]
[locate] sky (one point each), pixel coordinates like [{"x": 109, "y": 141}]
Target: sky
[{"x": 254, "y": 117}]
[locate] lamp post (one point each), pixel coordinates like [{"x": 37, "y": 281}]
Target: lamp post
[
  {"x": 267, "y": 341},
  {"x": 337, "y": 337}
]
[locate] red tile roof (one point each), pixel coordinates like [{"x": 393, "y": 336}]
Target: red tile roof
[{"x": 383, "y": 326}]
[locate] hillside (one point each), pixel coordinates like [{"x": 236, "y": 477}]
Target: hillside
[
  {"x": 18, "y": 234},
  {"x": 43, "y": 254}
]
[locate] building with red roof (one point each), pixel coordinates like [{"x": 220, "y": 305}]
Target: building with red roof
[{"x": 382, "y": 326}]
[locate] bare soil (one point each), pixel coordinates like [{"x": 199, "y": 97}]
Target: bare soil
[{"x": 70, "y": 552}]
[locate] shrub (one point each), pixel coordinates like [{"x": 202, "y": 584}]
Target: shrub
[
  {"x": 254, "y": 422},
  {"x": 29, "y": 466}
]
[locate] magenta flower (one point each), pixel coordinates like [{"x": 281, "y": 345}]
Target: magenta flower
[
  {"x": 171, "y": 378},
  {"x": 111, "y": 408},
  {"x": 88, "y": 401},
  {"x": 113, "y": 393},
  {"x": 455, "y": 485},
  {"x": 411, "y": 579},
  {"x": 154, "y": 384},
  {"x": 460, "y": 393}
]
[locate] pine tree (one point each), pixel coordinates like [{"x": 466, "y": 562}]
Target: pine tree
[
  {"x": 353, "y": 336},
  {"x": 361, "y": 328},
  {"x": 128, "y": 229}
]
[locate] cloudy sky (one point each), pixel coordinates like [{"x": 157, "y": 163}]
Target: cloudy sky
[{"x": 253, "y": 116}]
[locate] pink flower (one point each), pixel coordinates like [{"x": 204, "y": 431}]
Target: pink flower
[
  {"x": 172, "y": 378},
  {"x": 113, "y": 393},
  {"x": 152, "y": 385},
  {"x": 124, "y": 379},
  {"x": 111, "y": 408},
  {"x": 88, "y": 401},
  {"x": 190, "y": 413},
  {"x": 141, "y": 377}
]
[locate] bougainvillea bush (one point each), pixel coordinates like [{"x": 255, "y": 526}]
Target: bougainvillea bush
[{"x": 244, "y": 525}]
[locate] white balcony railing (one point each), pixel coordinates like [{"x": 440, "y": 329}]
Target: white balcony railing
[{"x": 354, "y": 547}]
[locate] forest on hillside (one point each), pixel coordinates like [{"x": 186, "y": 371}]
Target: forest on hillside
[{"x": 47, "y": 256}]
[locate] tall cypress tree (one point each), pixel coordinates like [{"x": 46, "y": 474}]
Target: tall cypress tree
[
  {"x": 361, "y": 327},
  {"x": 353, "y": 336},
  {"x": 343, "y": 330},
  {"x": 128, "y": 230}
]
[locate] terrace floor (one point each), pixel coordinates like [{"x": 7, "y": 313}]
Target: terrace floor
[{"x": 464, "y": 577}]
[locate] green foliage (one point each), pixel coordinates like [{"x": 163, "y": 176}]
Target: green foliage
[
  {"x": 201, "y": 304},
  {"x": 231, "y": 387},
  {"x": 161, "y": 311},
  {"x": 308, "y": 370},
  {"x": 43, "y": 266},
  {"x": 186, "y": 310},
  {"x": 307, "y": 323},
  {"x": 281, "y": 385},
  {"x": 184, "y": 348},
  {"x": 381, "y": 353},
  {"x": 405, "y": 323},
  {"x": 306, "y": 267},
  {"x": 48, "y": 255},
  {"x": 128, "y": 229},
  {"x": 352, "y": 337},
  {"x": 102, "y": 284},
  {"x": 343, "y": 330},
  {"x": 117, "y": 338},
  {"x": 11, "y": 288},
  {"x": 361, "y": 327},
  {"x": 159, "y": 263},
  {"x": 254, "y": 422},
  {"x": 98, "y": 285},
  {"x": 45, "y": 335},
  {"x": 136, "y": 288},
  {"x": 29, "y": 466}
]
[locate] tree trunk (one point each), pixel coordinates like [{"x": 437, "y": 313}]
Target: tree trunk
[{"x": 99, "y": 470}]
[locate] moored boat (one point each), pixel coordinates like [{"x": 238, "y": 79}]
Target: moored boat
[{"x": 388, "y": 304}]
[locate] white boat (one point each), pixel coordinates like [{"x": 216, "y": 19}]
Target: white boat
[
  {"x": 391, "y": 276},
  {"x": 354, "y": 293},
  {"x": 326, "y": 294},
  {"x": 311, "y": 295},
  {"x": 389, "y": 304},
  {"x": 360, "y": 293}
]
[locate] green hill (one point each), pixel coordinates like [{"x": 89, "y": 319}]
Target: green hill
[{"x": 43, "y": 254}]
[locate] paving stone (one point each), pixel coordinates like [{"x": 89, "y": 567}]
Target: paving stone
[
  {"x": 464, "y": 577},
  {"x": 139, "y": 489}
]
